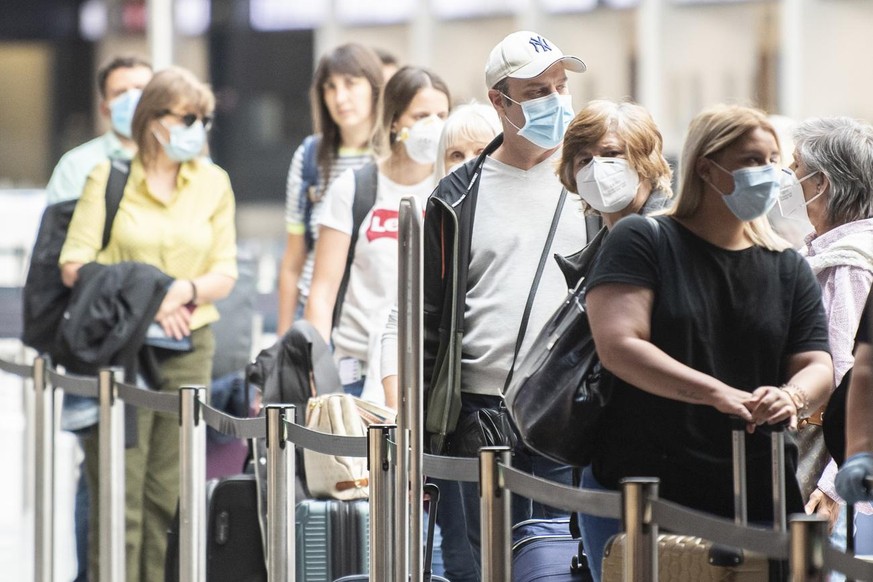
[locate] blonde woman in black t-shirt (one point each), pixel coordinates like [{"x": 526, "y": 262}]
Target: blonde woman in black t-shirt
[{"x": 700, "y": 315}]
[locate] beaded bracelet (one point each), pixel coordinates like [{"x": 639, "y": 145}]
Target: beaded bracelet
[{"x": 798, "y": 397}]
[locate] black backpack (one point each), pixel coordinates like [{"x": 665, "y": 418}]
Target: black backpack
[{"x": 45, "y": 296}]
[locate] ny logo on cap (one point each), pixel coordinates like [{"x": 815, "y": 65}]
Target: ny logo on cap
[{"x": 540, "y": 44}]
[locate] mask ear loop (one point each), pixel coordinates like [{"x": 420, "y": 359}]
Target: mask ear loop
[{"x": 710, "y": 184}]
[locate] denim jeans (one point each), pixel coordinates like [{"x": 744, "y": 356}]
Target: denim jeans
[
  {"x": 355, "y": 388},
  {"x": 459, "y": 565},
  {"x": 596, "y": 531},
  {"x": 523, "y": 460}
]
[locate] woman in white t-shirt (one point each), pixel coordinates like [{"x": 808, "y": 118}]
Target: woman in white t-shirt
[{"x": 414, "y": 104}]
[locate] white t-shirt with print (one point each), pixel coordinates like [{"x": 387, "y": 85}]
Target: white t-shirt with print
[{"x": 372, "y": 289}]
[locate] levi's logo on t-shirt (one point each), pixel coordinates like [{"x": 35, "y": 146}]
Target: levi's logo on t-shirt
[{"x": 383, "y": 223}]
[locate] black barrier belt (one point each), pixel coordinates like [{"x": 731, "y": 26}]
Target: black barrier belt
[
  {"x": 597, "y": 503},
  {"x": 465, "y": 469},
  {"x": 22, "y": 370},
  {"x": 141, "y": 398},
  {"x": 85, "y": 386},
  {"x": 241, "y": 428},
  {"x": 679, "y": 519},
  {"x": 329, "y": 444},
  {"x": 853, "y": 568}
]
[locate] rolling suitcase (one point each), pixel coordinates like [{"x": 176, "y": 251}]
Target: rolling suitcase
[
  {"x": 434, "y": 493},
  {"x": 688, "y": 558},
  {"x": 543, "y": 550},
  {"x": 234, "y": 550},
  {"x": 333, "y": 539}
]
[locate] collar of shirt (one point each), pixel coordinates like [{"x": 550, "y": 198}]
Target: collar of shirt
[
  {"x": 817, "y": 244},
  {"x": 138, "y": 175},
  {"x": 114, "y": 148}
]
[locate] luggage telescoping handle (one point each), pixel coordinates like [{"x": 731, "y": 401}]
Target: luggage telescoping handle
[
  {"x": 738, "y": 446},
  {"x": 434, "y": 493},
  {"x": 777, "y": 452}
]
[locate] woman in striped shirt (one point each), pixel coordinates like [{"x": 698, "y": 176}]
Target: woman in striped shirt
[{"x": 344, "y": 92}]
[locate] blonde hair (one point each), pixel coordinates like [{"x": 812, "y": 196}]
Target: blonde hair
[
  {"x": 171, "y": 89},
  {"x": 710, "y": 132},
  {"x": 471, "y": 121},
  {"x": 644, "y": 146}
]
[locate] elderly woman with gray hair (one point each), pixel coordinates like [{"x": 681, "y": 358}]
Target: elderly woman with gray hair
[{"x": 833, "y": 164}]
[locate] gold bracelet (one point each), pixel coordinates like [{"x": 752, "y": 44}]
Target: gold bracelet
[{"x": 798, "y": 397}]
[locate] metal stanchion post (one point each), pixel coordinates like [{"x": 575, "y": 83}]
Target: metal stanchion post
[
  {"x": 410, "y": 387},
  {"x": 281, "y": 561},
  {"x": 192, "y": 485},
  {"x": 44, "y": 450},
  {"x": 809, "y": 534},
  {"x": 641, "y": 543},
  {"x": 383, "y": 546},
  {"x": 494, "y": 509},
  {"x": 110, "y": 447}
]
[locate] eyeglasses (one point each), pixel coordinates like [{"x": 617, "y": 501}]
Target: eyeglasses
[{"x": 189, "y": 118}]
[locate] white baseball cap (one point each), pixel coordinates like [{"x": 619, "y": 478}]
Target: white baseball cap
[{"x": 524, "y": 55}]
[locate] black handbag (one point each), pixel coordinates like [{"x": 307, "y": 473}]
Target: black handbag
[
  {"x": 558, "y": 393},
  {"x": 486, "y": 427},
  {"x": 560, "y": 389}
]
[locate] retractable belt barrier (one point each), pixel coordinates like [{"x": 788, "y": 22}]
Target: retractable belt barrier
[
  {"x": 671, "y": 516},
  {"x": 397, "y": 468}
]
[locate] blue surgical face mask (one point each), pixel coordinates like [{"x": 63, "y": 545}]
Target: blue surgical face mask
[
  {"x": 756, "y": 190},
  {"x": 545, "y": 119},
  {"x": 121, "y": 112},
  {"x": 186, "y": 142}
]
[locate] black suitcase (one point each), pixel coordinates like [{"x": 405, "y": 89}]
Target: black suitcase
[
  {"x": 234, "y": 549},
  {"x": 434, "y": 493}
]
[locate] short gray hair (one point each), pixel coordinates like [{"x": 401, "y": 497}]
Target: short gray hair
[{"x": 842, "y": 149}]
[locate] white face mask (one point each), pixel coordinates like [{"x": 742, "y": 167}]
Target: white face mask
[
  {"x": 607, "y": 184},
  {"x": 422, "y": 139},
  {"x": 791, "y": 201}
]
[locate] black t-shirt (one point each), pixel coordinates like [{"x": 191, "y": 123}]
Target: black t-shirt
[
  {"x": 735, "y": 315},
  {"x": 865, "y": 328}
]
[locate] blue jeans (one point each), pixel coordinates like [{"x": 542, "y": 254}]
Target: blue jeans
[
  {"x": 355, "y": 388},
  {"x": 458, "y": 561},
  {"x": 596, "y": 531},
  {"x": 523, "y": 460}
]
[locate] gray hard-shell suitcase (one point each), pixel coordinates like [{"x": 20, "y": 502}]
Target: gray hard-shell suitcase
[
  {"x": 434, "y": 492},
  {"x": 333, "y": 539}
]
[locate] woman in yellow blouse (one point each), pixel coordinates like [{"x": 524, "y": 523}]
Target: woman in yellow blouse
[{"x": 177, "y": 214}]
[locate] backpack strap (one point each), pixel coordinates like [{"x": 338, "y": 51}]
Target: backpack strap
[
  {"x": 309, "y": 175},
  {"x": 366, "y": 184},
  {"x": 119, "y": 170}
]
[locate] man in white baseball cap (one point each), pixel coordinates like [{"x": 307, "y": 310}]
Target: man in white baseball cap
[
  {"x": 487, "y": 233},
  {"x": 526, "y": 54}
]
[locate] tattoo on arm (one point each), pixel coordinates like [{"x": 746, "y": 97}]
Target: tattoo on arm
[{"x": 689, "y": 394}]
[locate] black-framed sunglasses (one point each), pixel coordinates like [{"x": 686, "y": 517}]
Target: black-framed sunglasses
[{"x": 189, "y": 118}]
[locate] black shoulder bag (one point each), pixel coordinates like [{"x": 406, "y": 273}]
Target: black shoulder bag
[{"x": 558, "y": 394}]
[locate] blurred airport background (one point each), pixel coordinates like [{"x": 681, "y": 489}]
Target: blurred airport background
[{"x": 796, "y": 58}]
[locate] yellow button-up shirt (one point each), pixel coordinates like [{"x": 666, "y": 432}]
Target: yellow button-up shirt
[{"x": 190, "y": 235}]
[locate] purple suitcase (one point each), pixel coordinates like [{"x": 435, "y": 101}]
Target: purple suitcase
[{"x": 544, "y": 551}]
